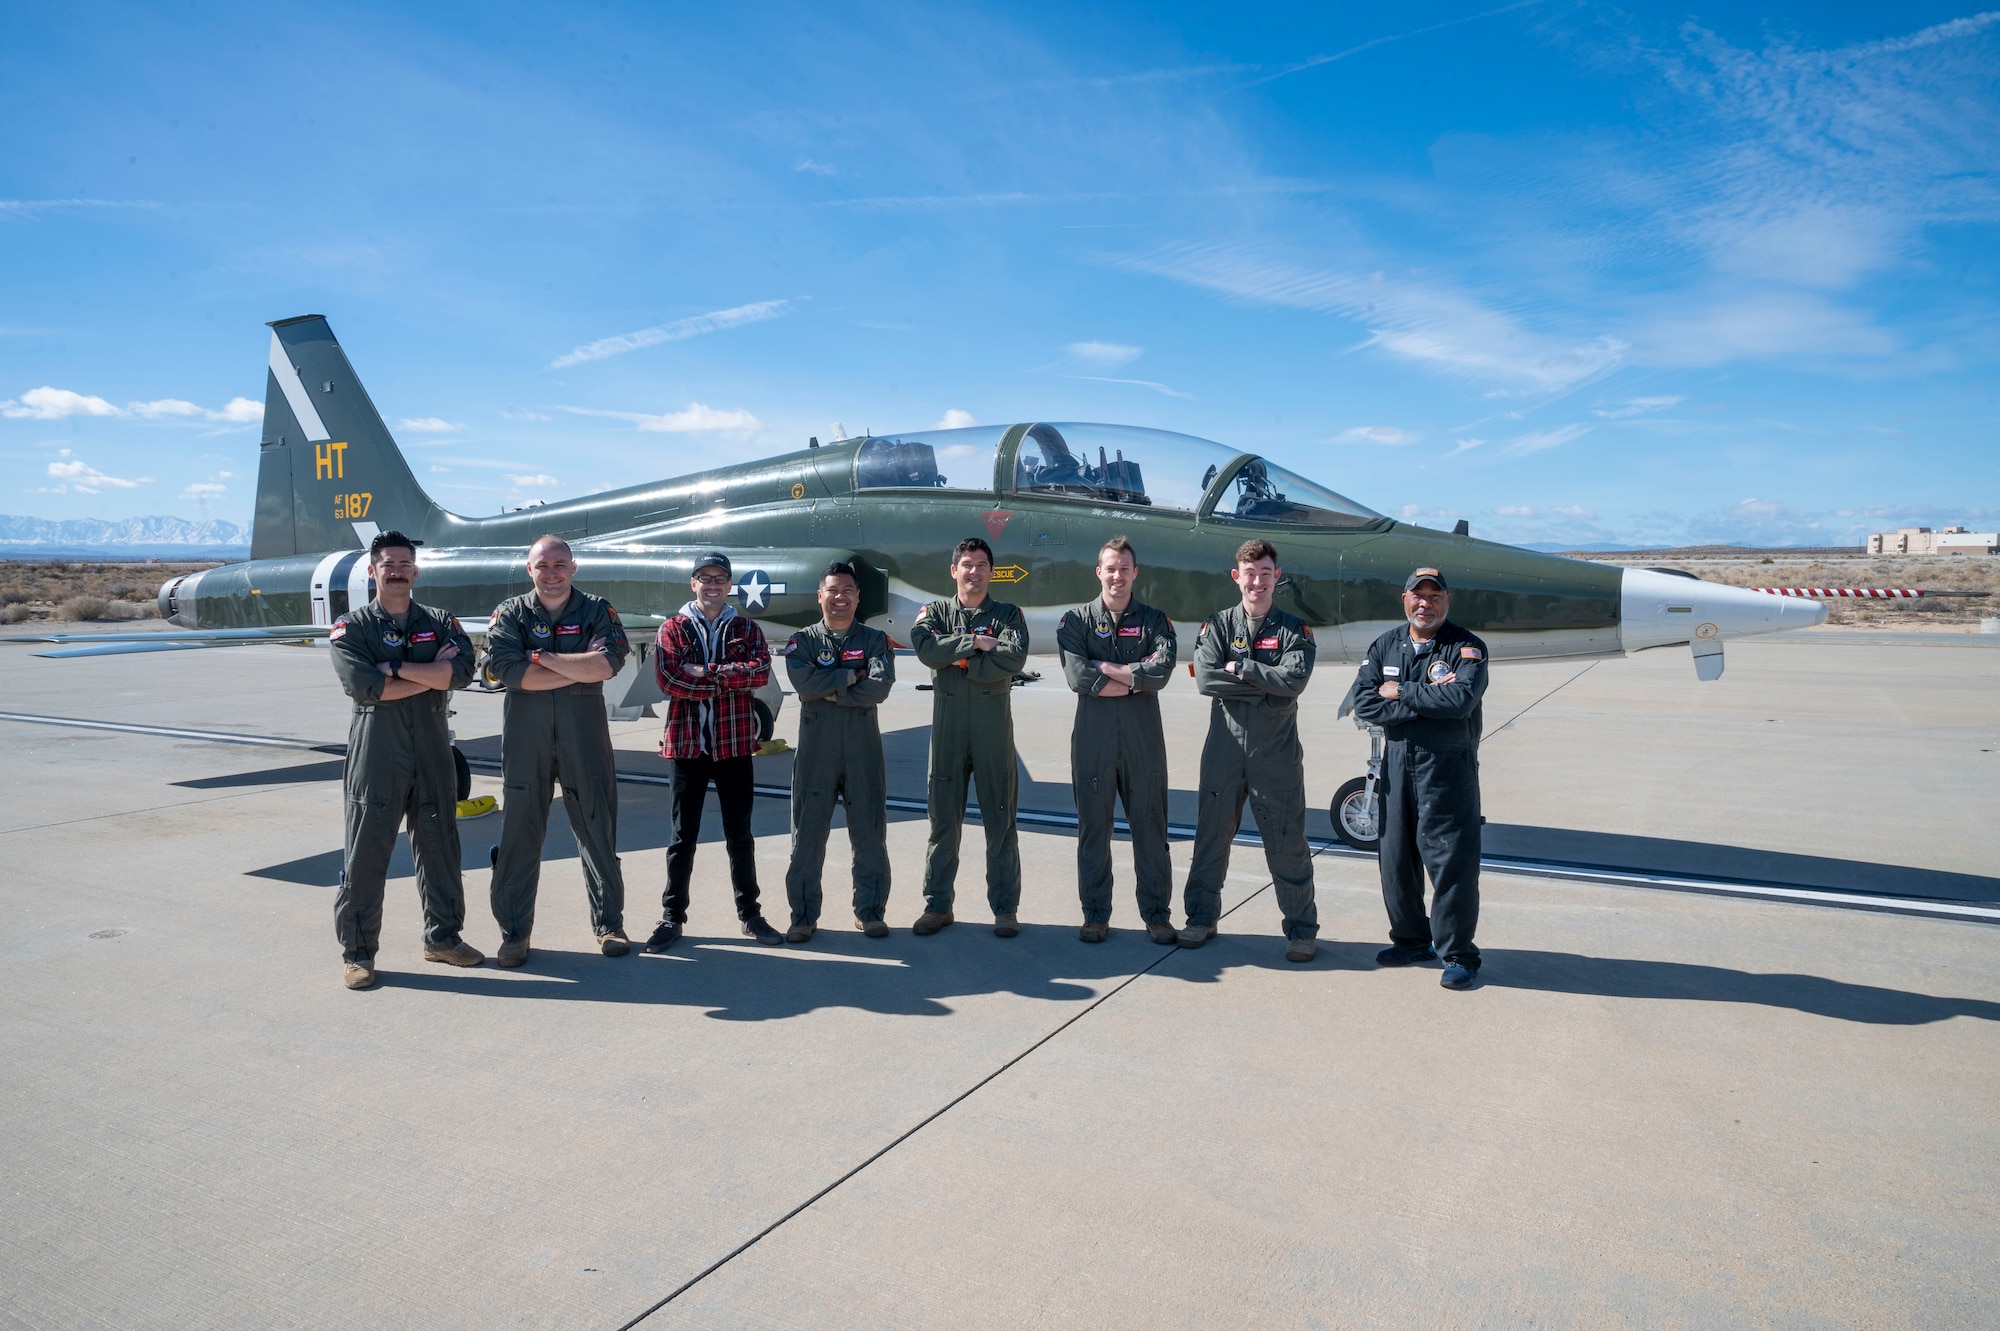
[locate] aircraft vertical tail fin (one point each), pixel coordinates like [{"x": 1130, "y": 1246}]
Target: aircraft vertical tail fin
[{"x": 329, "y": 475}]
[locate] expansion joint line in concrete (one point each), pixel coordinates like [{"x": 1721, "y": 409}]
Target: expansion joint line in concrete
[
  {"x": 1508, "y": 723},
  {"x": 923, "y": 1123}
]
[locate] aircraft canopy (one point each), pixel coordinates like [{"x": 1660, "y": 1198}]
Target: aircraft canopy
[{"x": 1105, "y": 464}]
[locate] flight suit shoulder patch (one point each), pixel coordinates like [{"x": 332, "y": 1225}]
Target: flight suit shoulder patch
[
  {"x": 1471, "y": 653},
  {"x": 339, "y": 631}
]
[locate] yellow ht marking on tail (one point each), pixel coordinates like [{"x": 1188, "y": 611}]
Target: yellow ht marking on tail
[{"x": 330, "y": 461}]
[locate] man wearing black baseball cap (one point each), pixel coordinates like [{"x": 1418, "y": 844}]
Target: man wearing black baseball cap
[
  {"x": 710, "y": 661},
  {"x": 1423, "y": 685}
]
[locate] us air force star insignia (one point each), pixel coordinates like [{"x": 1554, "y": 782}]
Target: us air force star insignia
[{"x": 756, "y": 590}]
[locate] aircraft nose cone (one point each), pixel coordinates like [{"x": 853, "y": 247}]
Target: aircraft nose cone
[{"x": 1661, "y": 609}]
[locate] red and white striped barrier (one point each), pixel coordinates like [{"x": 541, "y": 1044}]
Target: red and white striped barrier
[{"x": 1847, "y": 593}]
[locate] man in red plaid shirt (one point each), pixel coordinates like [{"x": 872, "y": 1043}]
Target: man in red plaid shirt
[{"x": 710, "y": 660}]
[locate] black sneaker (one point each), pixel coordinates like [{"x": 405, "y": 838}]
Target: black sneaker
[
  {"x": 1402, "y": 954},
  {"x": 759, "y": 928},
  {"x": 1458, "y": 975},
  {"x": 665, "y": 934}
]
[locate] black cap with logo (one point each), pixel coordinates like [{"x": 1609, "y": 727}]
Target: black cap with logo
[{"x": 1426, "y": 575}]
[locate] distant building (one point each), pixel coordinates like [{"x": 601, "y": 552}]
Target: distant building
[{"x": 1924, "y": 541}]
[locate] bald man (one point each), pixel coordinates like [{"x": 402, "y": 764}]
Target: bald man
[{"x": 553, "y": 648}]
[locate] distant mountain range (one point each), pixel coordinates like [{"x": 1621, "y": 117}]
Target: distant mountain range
[{"x": 151, "y": 535}]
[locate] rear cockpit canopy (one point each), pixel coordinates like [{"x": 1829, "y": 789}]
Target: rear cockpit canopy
[{"x": 1105, "y": 464}]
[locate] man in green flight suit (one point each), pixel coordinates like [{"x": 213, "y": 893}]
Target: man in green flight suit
[
  {"x": 1254, "y": 660},
  {"x": 553, "y": 648},
  {"x": 974, "y": 646},
  {"x": 1117, "y": 654},
  {"x": 841, "y": 671},
  {"x": 399, "y": 662}
]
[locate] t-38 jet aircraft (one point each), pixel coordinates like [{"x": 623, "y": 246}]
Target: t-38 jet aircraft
[{"x": 1044, "y": 494}]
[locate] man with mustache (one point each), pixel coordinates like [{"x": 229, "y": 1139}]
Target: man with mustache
[{"x": 399, "y": 662}]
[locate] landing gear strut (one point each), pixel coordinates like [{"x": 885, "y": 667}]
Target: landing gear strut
[{"x": 1357, "y": 805}]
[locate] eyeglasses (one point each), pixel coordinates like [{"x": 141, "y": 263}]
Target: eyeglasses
[{"x": 711, "y": 582}]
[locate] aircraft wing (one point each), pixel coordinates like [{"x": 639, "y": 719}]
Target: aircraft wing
[{"x": 176, "y": 640}]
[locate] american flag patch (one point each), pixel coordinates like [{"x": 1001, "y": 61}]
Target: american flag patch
[
  {"x": 853, "y": 654},
  {"x": 425, "y": 636},
  {"x": 1132, "y": 631},
  {"x": 1471, "y": 654},
  {"x": 1269, "y": 644}
]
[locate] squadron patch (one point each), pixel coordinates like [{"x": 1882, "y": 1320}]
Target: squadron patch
[
  {"x": 791, "y": 643},
  {"x": 539, "y": 629},
  {"x": 339, "y": 632},
  {"x": 1439, "y": 671},
  {"x": 1307, "y": 630},
  {"x": 1471, "y": 654},
  {"x": 391, "y": 638},
  {"x": 825, "y": 656},
  {"x": 1102, "y": 628},
  {"x": 1239, "y": 643}
]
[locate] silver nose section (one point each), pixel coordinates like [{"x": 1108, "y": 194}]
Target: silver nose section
[{"x": 1660, "y": 610}]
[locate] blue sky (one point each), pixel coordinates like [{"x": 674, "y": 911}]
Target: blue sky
[{"x": 1574, "y": 272}]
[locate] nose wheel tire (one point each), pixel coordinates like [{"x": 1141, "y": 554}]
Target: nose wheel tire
[{"x": 1357, "y": 820}]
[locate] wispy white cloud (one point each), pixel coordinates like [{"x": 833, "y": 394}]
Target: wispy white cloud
[
  {"x": 954, "y": 419},
  {"x": 1314, "y": 62},
  {"x": 1103, "y": 355},
  {"x": 1540, "y": 441},
  {"x": 1465, "y": 446},
  {"x": 86, "y": 479},
  {"x": 1637, "y": 406},
  {"x": 1389, "y": 435},
  {"x": 54, "y": 404},
  {"x": 1419, "y": 319},
  {"x": 695, "y": 418},
  {"x": 534, "y": 482},
  {"x": 428, "y": 425},
  {"x": 201, "y": 490},
  {"x": 712, "y": 322},
  {"x": 1136, "y": 383},
  {"x": 808, "y": 166},
  {"x": 509, "y": 414}
]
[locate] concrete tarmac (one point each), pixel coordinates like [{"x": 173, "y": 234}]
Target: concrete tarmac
[{"x": 1659, "y": 1108}]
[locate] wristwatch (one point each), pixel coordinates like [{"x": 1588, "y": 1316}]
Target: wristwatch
[
  {"x": 535, "y": 656},
  {"x": 395, "y": 670}
]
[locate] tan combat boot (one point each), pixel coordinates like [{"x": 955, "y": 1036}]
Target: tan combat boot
[
  {"x": 460, "y": 953},
  {"x": 511, "y": 955},
  {"x": 358, "y": 975}
]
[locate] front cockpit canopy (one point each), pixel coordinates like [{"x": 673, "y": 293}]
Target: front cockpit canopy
[{"x": 1106, "y": 464}]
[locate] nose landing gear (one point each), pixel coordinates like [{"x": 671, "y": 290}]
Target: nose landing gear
[{"x": 1357, "y": 805}]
